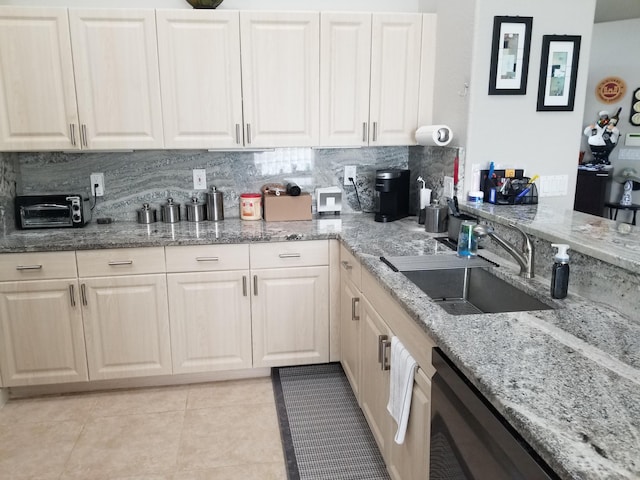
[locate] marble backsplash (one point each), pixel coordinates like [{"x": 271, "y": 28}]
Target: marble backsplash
[
  {"x": 133, "y": 178},
  {"x": 7, "y": 192}
]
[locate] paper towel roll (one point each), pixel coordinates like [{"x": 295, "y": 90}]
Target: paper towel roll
[{"x": 434, "y": 135}]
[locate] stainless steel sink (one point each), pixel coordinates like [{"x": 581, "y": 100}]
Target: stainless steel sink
[{"x": 464, "y": 291}]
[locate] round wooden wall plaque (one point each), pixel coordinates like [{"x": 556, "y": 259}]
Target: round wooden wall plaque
[{"x": 611, "y": 89}]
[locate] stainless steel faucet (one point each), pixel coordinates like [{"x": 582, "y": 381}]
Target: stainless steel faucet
[{"x": 524, "y": 257}]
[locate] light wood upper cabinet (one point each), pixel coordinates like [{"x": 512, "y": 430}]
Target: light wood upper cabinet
[
  {"x": 427, "y": 68},
  {"x": 345, "y": 66},
  {"x": 37, "y": 91},
  {"x": 395, "y": 78},
  {"x": 117, "y": 81},
  {"x": 199, "y": 54},
  {"x": 280, "y": 78}
]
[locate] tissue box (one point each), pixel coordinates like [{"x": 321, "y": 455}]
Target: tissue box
[{"x": 284, "y": 208}]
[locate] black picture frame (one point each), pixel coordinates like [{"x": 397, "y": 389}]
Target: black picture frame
[
  {"x": 558, "y": 72},
  {"x": 510, "y": 55}
]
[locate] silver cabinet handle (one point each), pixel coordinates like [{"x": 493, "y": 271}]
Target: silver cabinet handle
[
  {"x": 381, "y": 339},
  {"x": 72, "y": 129},
  {"x": 354, "y": 301},
  {"x": 118, "y": 263},
  {"x": 346, "y": 265},
  {"x": 602, "y": 174},
  {"x": 83, "y": 294},
  {"x": 29, "y": 267},
  {"x": 289, "y": 255},
  {"x": 83, "y": 135},
  {"x": 248, "y": 134},
  {"x": 385, "y": 363},
  {"x": 207, "y": 259},
  {"x": 72, "y": 295},
  {"x": 238, "y": 141},
  {"x": 244, "y": 285},
  {"x": 375, "y": 131},
  {"x": 364, "y": 131},
  {"x": 255, "y": 285}
]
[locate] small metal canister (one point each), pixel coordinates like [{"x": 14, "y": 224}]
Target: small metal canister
[
  {"x": 146, "y": 214},
  {"x": 195, "y": 211},
  {"x": 435, "y": 220},
  {"x": 215, "y": 207},
  {"x": 170, "y": 211}
]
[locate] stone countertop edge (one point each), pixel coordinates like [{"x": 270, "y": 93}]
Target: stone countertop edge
[
  {"x": 576, "y": 402},
  {"x": 590, "y": 235}
]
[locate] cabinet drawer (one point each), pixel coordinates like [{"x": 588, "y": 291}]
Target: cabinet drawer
[
  {"x": 120, "y": 261},
  {"x": 37, "y": 266},
  {"x": 289, "y": 254},
  {"x": 201, "y": 258},
  {"x": 350, "y": 267}
]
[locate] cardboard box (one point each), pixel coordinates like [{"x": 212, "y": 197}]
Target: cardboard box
[{"x": 284, "y": 208}]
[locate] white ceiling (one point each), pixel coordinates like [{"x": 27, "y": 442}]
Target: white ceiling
[{"x": 613, "y": 10}]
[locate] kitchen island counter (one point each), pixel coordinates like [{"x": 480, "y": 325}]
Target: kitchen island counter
[{"x": 567, "y": 379}]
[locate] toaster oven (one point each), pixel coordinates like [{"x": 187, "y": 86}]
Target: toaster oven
[{"x": 52, "y": 211}]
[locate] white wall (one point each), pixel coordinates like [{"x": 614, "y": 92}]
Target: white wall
[
  {"x": 507, "y": 129},
  {"x": 453, "y": 66},
  {"x": 611, "y": 41},
  {"x": 353, "y": 5}
]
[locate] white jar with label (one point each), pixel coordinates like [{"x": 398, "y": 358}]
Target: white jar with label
[{"x": 251, "y": 206}]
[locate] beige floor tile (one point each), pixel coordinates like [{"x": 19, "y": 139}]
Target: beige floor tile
[
  {"x": 141, "y": 401},
  {"x": 225, "y": 436},
  {"x": 262, "y": 471},
  {"x": 236, "y": 392},
  {"x": 48, "y": 409},
  {"x": 114, "y": 447},
  {"x": 36, "y": 450}
]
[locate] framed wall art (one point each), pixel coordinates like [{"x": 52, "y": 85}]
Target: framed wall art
[
  {"x": 510, "y": 55},
  {"x": 558, "y": 72}
]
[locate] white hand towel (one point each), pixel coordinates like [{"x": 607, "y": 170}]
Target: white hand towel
[{"x": 403, "y": 369}]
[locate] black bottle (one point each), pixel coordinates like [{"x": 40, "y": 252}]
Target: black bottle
[
  {"x": 293, "y": 189},
  {"x": 560, "y": 271}
]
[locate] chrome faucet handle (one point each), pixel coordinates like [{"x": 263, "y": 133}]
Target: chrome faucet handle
[{"x": 528, "y": 251}]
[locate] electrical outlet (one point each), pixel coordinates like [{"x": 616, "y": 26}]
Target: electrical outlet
[
  {"x": 97, "y": 179},
  {"x": 349, "y": 172},
  {"x": 199, "y": 179},
  {"x": 448, "y": 187}
]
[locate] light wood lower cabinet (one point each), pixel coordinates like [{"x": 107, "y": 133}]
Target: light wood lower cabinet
[
  {"x": 126, "y": 326},
  {"x": 41, "y": 334},
  {"x": 410, "y": 461},
  {"x": 290, "y": 316},
  {"x": 374, "y": 386},
  {"x": 210, "y": 315},
  {"x": 350, "y": 308}
]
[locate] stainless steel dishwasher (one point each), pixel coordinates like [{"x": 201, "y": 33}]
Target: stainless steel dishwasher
[{"x": 469, "y": 438}]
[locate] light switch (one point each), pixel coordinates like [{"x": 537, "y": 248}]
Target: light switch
[{"x": 199, "y": 179}]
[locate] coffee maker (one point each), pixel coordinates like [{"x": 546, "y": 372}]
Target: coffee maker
[{"x": 391, "y": 195}]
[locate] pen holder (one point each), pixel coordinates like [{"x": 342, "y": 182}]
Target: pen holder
[{"x": 501, "y": 190}]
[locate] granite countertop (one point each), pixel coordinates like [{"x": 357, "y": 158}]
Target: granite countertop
[{"x": 567, "y": 379}]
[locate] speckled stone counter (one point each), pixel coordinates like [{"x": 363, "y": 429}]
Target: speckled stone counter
[{"x": 567, "y": 379}]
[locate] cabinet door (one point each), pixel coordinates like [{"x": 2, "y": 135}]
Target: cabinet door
[
  {"x": 345, "y": 66},
  {"x": 410, "y": 461},
  {"x": 395, "y": 78},
  {"x": 280, "y": 78},
  {"x": 427, "y": 68},
  {"x": 37, "y": 91},
  {"x": 210, "y": 317},
  {"x": 126, "y": 326},
  {"x": 374, "y": 379},
  {"x": 290, "y": 308},
  {"x": 115, "y": 58},
  {"x": 350, "y": 334},
  {"x": 199, "y": 54},
  {"x": 41, "y": 335}
]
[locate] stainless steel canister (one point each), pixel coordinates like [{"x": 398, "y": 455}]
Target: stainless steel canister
[
  {"x": 170, "y": 211},
  {"x": 196, "y": 211},
  {"x": 215, "y": 207},
  {"x": 435, "y": 220},
  {"x": 146, "y": 214}
]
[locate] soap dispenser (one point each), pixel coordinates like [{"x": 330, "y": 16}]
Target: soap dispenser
[{"x": 560, "y": 271}]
